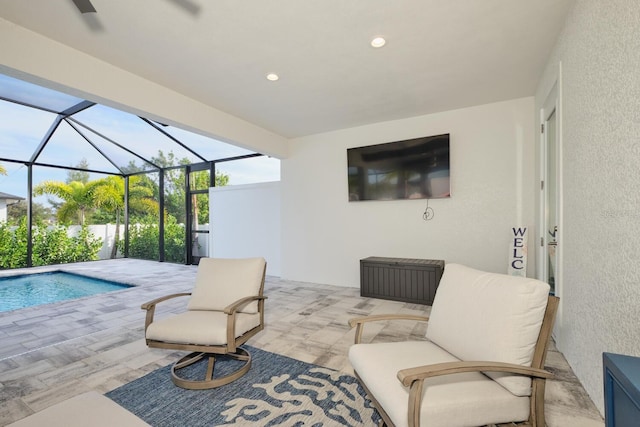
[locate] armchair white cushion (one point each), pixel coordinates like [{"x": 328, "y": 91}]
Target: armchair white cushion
[
  {"x": 187, "y": 327},
  {"x": 220, "y": 282},
  {"x": 486, "y": 316},
  {"x": 480, "y": 323}
]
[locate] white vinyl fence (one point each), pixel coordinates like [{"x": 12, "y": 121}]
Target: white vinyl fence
[{"x": 107, "y": 233}]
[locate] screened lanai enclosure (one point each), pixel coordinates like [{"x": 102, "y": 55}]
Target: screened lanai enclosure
[{"x": 82, "y": 181}]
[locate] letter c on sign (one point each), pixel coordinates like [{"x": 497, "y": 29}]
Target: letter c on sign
[{"x": 518, "y": 262}]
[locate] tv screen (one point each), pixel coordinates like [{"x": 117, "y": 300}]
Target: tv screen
[{"x": 410, "y": 169}]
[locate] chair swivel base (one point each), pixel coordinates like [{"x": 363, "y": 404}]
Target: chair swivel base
[{"x": 209, "y": 382}]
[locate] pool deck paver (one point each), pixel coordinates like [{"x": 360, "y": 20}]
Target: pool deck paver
[{"x": 53, "y": 352}]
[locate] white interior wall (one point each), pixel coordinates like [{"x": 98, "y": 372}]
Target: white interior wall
[
  {"x": 245, "y": 222},
  {"x": 492, "y": 169},
  {"x": 599, "y": 53}
]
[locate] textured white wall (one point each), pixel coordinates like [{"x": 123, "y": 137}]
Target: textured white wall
[
  {"x": 245, "y": 222},
  {"x": 492, "y": 163},
  {"x": 599, "y": 50}
]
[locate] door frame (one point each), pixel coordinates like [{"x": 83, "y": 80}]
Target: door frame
[
  {"x": 191, "y": 259},
  {"x": 552, "y": 102}
]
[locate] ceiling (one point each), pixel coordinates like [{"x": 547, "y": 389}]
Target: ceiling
[{"x": 440, "y": 54}]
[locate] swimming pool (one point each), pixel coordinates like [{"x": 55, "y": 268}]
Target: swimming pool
[{"x": 27, "y": 290}]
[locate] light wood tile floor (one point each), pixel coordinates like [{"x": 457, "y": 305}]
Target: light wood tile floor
[{"x": 53, "y": 352}]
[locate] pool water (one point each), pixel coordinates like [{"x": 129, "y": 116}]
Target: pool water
[{"x": 28, "y": 290}]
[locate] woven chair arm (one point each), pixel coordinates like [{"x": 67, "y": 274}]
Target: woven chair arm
[
  {"x": 149, "y": 304},
  {"x": 381, "y": 317},
  {"x": 359, "y": 322},
  {"x": 237, "y": 305},
  {"x": 408, "y": 376},
  {"x": 414, "y": 378}
]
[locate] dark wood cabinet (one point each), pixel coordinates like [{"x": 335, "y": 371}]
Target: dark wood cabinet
[{"x": 400, "y": 279}]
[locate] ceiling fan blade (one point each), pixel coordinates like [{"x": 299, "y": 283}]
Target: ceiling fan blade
[
  {"x": 84, "y": 6},
  {"x": 189, "y": 5}
]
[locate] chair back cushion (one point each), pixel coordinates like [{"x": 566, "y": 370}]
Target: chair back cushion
[
  {"x": 480, "y": 316},
  {"x": 220, "y": 282}
]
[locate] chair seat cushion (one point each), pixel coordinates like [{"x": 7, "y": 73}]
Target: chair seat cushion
[
  {"x": 469, "y": 399},
  {"x": 488, "y": 316},
  {"x": 199, "y": 327}
]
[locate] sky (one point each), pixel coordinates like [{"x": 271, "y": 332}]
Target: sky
[{"x": 22, "y": 129}]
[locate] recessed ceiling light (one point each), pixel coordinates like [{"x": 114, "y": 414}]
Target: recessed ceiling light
[
  {"x": 378, "y": 42},
  {"x": 272, "y": 77}
]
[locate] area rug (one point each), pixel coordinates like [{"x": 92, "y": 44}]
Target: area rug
[{"x": 277, "y": 391}]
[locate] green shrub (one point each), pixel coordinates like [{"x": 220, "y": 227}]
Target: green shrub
[
  {"x": 144, "y": 237},
  {"x": 13, "y": 245},
  {"x": 51, "y": 245}
]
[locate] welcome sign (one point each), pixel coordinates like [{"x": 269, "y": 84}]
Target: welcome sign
[{"x": 518, "y": 252}]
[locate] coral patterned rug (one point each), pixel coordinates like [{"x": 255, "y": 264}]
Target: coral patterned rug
[{"x": 277, "y": 391}]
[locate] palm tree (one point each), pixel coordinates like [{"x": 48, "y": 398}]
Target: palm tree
[
  {"x": 109, "y": 194},
  {"x": 78, "y": 198}
]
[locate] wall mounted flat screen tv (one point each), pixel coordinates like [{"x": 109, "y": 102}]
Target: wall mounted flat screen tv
[{"x": 411, "y": 169}]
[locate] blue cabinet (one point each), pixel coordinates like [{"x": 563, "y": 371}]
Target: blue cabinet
[{"x": 621, "y": 390}]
